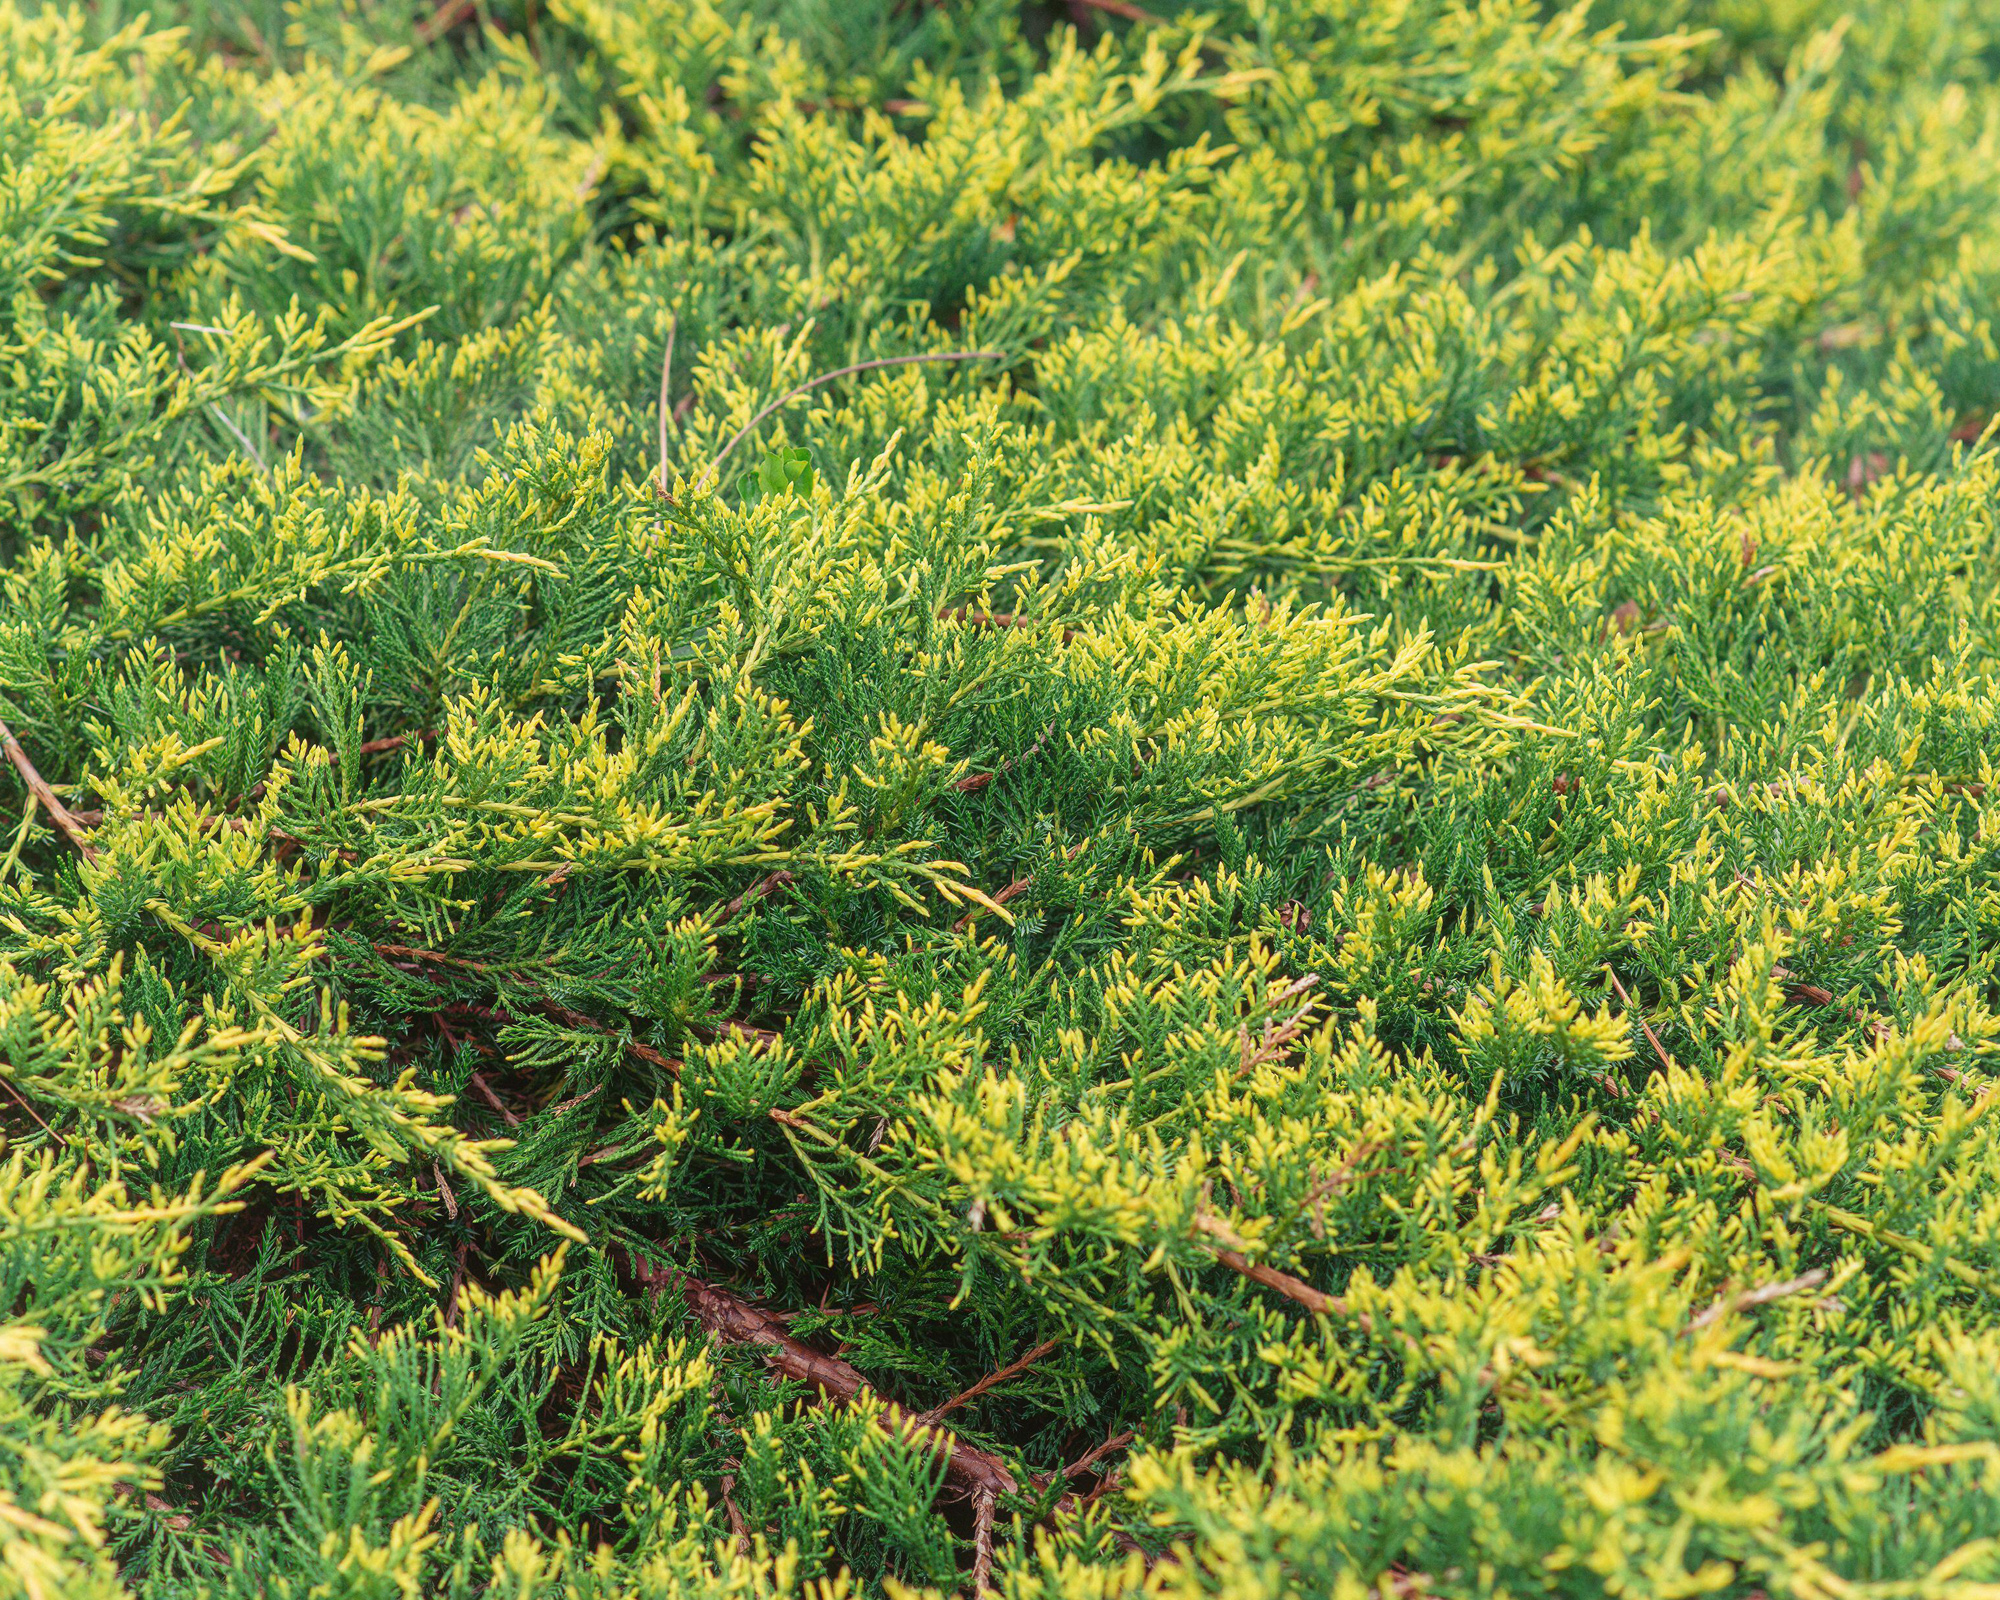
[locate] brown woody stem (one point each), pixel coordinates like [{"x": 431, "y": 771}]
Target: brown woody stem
[
  {"x": 736, "y": 1321},
  {"x": 38, "y": 786}
]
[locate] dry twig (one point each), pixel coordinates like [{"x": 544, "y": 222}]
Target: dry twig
[
  {"x": 752, "y": 895},
  {"x": 1295, "y": 1289},
  {"x": 980, "y": 780},
  {"x": 1659, "y": 1049},
  {"x": 435, "y": 958},
  {"x": 1729, "y": 1304},
  {"x": 633, "y": 1048},
  {"x": 486, "y": 1092},
  {"x": 444, "y": 1192},
  {"x": 998, "y": 619},
  {"x": 1019, "y": 886},
  {"x": 396, "y": 741},
  {"x": 441, "y": 21},
  {"x": 1097, "y": 1452},
  {"x": 457, "y": 1283},
  {"x": 736, "y": 1321},
  {"x": 1278, "y": 1037},
  {"x": 982, "y": 1540},
  {"x": 1334, "y": 1183},
  {"x": 736, "y": 1525},
  {"x": 1012, "y": 1369},
  {"x": 667, "y": 413},
  {"x": 562, "y": 1014},
  {"x": 1115, "y": 8},
  {"x": 38, "y": 786},
  {"x": 22, "y": 1101}
]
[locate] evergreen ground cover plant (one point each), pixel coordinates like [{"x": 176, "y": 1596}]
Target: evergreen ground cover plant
[{"x": 1315, "y": 914}]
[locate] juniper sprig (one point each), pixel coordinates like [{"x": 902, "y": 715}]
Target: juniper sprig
[{"x": 1064, "y": 800}]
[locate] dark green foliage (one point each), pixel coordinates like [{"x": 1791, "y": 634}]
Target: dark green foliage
[{"x": 1349, "y": 839}]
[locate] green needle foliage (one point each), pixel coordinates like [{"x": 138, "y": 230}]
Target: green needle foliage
[{"x": 1309, "y": 887}]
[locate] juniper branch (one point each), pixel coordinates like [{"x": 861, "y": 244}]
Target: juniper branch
[
  {"x": 58, "y": 813},
  {"x": 736, "y": 1321},
  {"x": 798, "y": 390}
]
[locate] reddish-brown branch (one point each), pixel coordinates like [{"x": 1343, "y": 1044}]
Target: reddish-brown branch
[
  {"x": 752, "y": 895},
  {"x": 1115, "y": 8},
  {"x": 486, "y": 1092},
  {"x": 1220, "y": 1243},
  {"x": 179, "y": 1521},
  {"x": 1277, "y": 1038},
  {"x": 1019, "y": 886},
  {"x": 441, "y": 21},
  {"x": 279, "y": 837},
  {"x": 1012, "y": 1369},
  {"x": 1291, "y": 1288},
  {"x": 1097, "y": 1452},
  {"x": 736, "y": 1321},
  {"x": 435, "y": 958},
  {"x": 980, "y": 780},
  {"x": 457, "y": 1283},
  {"x": 1801, "y": 993},
  {"x": 998, "y": 619},
  {"x": 573, "y": 1101},
  {"x": 1334, "y": 1183},
  {"x": 982, "y": 1540},
  {"x": 633, "y": 1048},
  {"x": 562, "y": 1014},
  {"x": 1067, "y": 1503},
  {"x": 38, "y": 786},
  {"x": 22, "y": 1101},
  {"x": 1659, "y": 1049},
  {"x": 1729, "y": 1304},
  {"x": 736, "y": 1525}
]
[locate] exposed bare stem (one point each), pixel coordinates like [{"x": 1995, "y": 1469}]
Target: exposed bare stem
[
  {"x": 1012, "y": 1369},
  {"x": 1019, "y": 886},
  {"x": 1659, "y": 1049},
  {"x": 736, "y": 1321},
  {"x": 752, "y": 895},
  {"x": 1729, "y": 1304},
  {"x": 736, "y": 1524},
  {"x": 1115, "y": 8},
  {"x": 667, "y": 413},
  {"x": 441, "y": 21},
  {"x": 38, "y": 786},
  {"x": 22, "y": 1101},
  {"x": 982, "y": 1540}
]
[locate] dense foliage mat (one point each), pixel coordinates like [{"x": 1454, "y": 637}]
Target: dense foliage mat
[{"x": 1317, "y": 916}]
